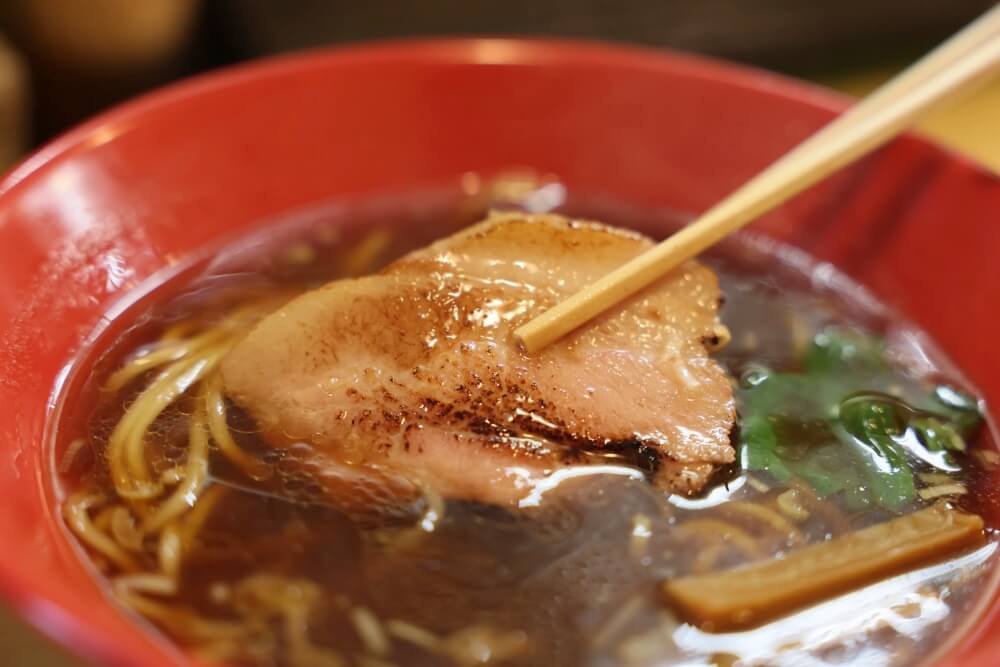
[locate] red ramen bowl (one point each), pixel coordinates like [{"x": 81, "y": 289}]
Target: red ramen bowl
[{"x": 134, "y": 192}]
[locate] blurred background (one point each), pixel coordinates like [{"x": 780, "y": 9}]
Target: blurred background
[{"x": 64, "y": 60}]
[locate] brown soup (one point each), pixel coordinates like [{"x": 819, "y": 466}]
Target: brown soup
[{"x": 233, "y": 549}]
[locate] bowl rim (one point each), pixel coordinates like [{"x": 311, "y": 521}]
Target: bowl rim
[
  {"x": 73, "y": 634},
  {"x": 461, "y": 50}
]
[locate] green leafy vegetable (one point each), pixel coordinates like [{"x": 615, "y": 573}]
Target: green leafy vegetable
[
  {"x": 938, "y": 436},
  {"x": 961, "y": 408},
  {"x": 874, "y": 428},
  {"x": 849, "y": 424},
  {"x": 838, "y": 350},
  {"x": 760, "y": 451}
]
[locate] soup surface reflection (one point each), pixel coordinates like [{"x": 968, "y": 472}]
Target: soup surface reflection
[{"x": 237, "y": 551}]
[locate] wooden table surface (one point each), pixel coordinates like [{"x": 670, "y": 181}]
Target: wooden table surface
[{"x": 970, "y": 125}]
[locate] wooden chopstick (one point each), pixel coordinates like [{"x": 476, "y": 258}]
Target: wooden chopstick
[{"x": 969, "y": 56}]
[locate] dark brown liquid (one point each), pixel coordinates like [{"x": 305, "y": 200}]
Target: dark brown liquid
[{"x": 578, "y": 574}]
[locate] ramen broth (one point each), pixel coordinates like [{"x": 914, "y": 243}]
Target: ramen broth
[{"x": 270, "y": 569}]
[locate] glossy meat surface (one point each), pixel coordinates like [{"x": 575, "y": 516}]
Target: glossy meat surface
[{"x": 415, "y": 370}]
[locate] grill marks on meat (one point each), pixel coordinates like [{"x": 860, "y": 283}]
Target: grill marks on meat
[{"x": 414, "y": 370}]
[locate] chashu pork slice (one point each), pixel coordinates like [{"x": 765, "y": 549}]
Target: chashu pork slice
[{"x": 414, "y": 371}]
